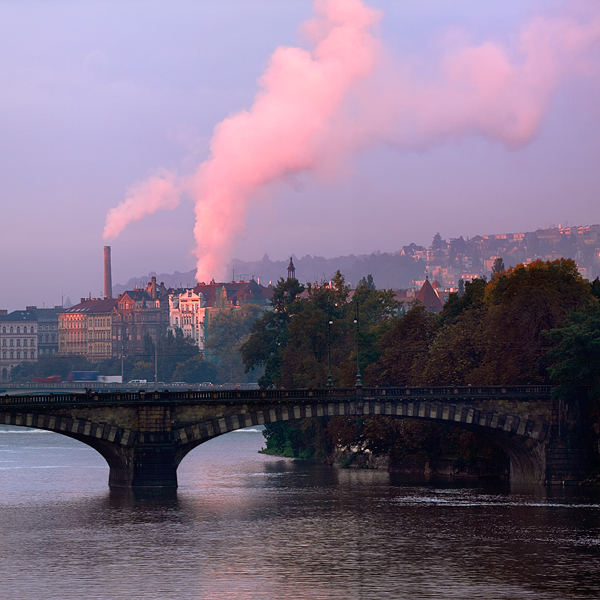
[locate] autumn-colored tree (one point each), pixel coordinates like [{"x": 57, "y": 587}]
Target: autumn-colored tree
[
  {"x": 457, "y": 351},
  {"x": 522, "y": 303}
]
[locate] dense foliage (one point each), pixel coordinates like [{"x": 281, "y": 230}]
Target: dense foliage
[{"x": 538, "y": 323}]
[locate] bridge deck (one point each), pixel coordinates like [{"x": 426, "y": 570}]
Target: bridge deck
[{"x": 455, "y": 393}]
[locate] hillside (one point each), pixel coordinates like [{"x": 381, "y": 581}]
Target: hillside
[{"x": 447, "y": 261}]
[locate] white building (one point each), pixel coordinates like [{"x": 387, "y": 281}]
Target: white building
[
  {"x": 18, "y": 340},
  {"x": 186, "y": 312}
]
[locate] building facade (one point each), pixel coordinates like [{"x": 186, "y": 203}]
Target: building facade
[
  {"x": 86, "y": 329},
  {"x": 186, "y": 312},
  {"x": 139, "y": 313},
  {"x": 47, "y": 326},
  {"x": 18, "y": 340}
]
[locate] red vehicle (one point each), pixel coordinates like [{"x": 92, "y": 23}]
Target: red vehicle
[{"x": 51, "y": 379}]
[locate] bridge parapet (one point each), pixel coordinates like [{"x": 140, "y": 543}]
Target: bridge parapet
[
  {"x": 447, "y": 393},
  {"x": 144, "y": 435}
]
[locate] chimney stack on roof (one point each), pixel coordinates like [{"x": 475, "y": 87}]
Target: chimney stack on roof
[{"x": 107, "y": 273}]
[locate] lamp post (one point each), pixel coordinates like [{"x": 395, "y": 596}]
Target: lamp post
[
  {"x": 358, "y": 377},
  {"x": 329, "y": 377},
  {"x": 155, "y": 365}
]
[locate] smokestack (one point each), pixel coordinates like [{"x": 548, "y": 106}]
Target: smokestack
[{"x": 107, "y": 273}]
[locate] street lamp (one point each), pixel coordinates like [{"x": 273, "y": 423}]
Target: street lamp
[
  {"x": 329, "y": 378},
  {"x": 358, "y": 377},
  {"x": 155, "y": 364}
]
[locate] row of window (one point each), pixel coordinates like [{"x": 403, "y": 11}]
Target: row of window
[
  {"x": 18, "y": 328},
  {"x": 82, "y": 336},
  {"x": 18, "y": 344},
  {"x": 101, "y": 349},
  {"x": 18, "y": 353},
  {"x": 47, "y": 336}
]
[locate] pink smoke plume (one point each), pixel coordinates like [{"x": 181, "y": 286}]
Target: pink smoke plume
[
  {"x": 143, "y": 199},
  {"x": 315, "y": 107}
]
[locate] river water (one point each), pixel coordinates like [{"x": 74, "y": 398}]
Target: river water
[{"x": 247, "y": 526}]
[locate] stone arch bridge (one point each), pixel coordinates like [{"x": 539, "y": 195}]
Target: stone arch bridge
[{"x": 144, "y": 436}]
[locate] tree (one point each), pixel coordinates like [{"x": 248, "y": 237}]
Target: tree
[
  {"x": 195, "y": 370},
  {"x": 226, "y": 333},
  {"x": 596, "y": 288},
  {"x": 294, "y": 342},
  {"x": 498, "y": 266},
  {"x": 457, "y": 303},
  {"x": 575, "y": 358},
  {"x": 522, "y": 303},
  {"x": 438, "y": 243},
  {"x": 367, "y": 282},
  {"x": 403, "y": 347}
]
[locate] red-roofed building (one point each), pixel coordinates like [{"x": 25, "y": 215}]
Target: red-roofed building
[{"x": 429, "y": 298}]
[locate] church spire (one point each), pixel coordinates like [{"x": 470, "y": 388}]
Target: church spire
[{"x": 291, "y": 270}]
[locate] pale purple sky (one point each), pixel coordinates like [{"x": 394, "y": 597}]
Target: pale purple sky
[{"x": 96, "y": 96}]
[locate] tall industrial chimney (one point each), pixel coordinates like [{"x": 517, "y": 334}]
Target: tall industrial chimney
[{"x": 107, "y": 273}]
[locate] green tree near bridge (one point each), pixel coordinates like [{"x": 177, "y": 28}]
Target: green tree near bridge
[
  {"x": 534, "y": 323},
  {"x": 295, "y": 341}
]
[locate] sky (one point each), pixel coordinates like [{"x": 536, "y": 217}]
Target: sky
[{"x": 187, "y": 133}]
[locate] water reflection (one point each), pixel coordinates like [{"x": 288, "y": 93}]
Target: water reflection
[{"x": 245, "y": 526}]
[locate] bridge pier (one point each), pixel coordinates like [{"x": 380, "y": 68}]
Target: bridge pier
[{"x": 144, "y": 465}]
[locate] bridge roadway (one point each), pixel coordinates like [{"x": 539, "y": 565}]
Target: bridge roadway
[{"x": 144, "y": 435}]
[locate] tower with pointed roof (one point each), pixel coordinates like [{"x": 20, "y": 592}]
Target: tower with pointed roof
[
  {"x": 291, "y": 270},
  {"x": 429, "y": 298}
]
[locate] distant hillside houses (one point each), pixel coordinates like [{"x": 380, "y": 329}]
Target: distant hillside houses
[
  {"x": 113, "y": 327},
  {"x": 447, "y": 261}
]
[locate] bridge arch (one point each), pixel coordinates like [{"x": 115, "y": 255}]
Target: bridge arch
[
  {"x": 144, "y": 436},
  {"x": 520, "y": 437}
]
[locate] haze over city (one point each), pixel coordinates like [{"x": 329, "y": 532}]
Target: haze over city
[{"x": 460, "y": 118}]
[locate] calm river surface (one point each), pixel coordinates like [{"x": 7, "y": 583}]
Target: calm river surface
[{"x": 246, "y": 526}]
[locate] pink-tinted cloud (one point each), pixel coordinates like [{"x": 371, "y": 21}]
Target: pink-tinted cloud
[
  {"x": 285, "y": 130},
  {"x": 142, "y": 199},
  {"x": 315, "y": 108}
]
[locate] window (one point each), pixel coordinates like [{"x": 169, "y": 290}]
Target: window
[
  {"x": 4, "y": 329},
  {"x": 4, "y": 354},
  {"x": 18, "y": 329},
  {"x": 12, "y": 355},
  {"x": 25, "y": 343},
  {"x": 32, "y": 342},
  {"x": 18, "y": 342},
  {"x": 11, "y": 343},
  {"x": 4, "y": 343},
  {"x": 18, "y": 355},
  {"x": 11, "y": 329},
  {"x": 32, "y": 354}
]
